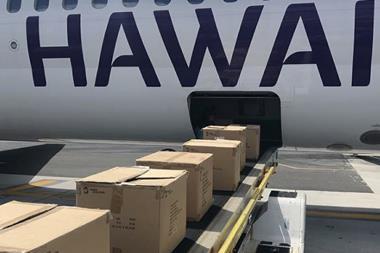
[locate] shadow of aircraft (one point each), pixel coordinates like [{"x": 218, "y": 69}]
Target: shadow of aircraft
[
  {"x": 29, "y": 160},
  {"x": 371, "y": 159}
]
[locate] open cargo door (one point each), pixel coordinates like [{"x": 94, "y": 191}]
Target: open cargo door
[{"x": 224, "y": 108}]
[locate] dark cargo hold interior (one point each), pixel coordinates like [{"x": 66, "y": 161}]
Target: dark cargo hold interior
[{"x": 224, "y": 108}]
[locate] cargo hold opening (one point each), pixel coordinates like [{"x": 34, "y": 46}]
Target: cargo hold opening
[{"x": 224, "y": 108}]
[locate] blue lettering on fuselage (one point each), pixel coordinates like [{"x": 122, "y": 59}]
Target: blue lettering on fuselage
[
  {"x": 73, "y": 51},
  {"x": 139, "y": 57},
  {"x": 208, "y": 38},
  {"x": 363, "y": 43},
  {"x": 319, "y": 55}
]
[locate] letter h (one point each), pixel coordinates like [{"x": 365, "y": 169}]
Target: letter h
[{"x": 73, "y": 51}]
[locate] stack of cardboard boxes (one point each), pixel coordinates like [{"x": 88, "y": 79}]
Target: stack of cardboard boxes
[
  {"x": 232, "y": 132},
  {"x": 149, "y": 203},
  {"x": 253, "y": 142},
  {"x": 200, "y": 180},
  {"x": 249, "y": 135},
  {"x": 226, "y": 153}
]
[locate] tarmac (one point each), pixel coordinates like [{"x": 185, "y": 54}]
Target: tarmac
[{"x": 342, "y": 190}]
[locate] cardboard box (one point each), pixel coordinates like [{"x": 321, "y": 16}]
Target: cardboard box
[
  {"x": 15, "y": 212},
  {"x": 253, "y": 142},
  {"x": 39, "y": 228},
  {"x": 232, "y": 132},
  {"x": 199, "y": 183},
  {"x": 226, "y": 160},
  {"x": 148, "y": 206}
]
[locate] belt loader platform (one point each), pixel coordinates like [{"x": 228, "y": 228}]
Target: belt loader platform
[{"x": 225, "y": 225}]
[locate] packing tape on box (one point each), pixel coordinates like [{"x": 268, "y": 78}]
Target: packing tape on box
[
  {"x": 214, "y": 135},
  {"x": 166, "y": 163},
  {"x": 117, "y": 200},
  {"x": 174, "y": 157},
  {"x": 177, "y": 165},
  {"x": 216, "y": 127}
]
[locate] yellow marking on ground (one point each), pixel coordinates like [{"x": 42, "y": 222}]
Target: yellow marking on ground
[
  {"x": 42, "y": 191},
  {"x": 344, "y": 215},
  {"x": 36, "y": 184},
  {"x": 45, "y": 195}
]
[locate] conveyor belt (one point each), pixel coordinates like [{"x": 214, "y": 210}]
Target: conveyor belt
[{"x": 209, "y": 234}]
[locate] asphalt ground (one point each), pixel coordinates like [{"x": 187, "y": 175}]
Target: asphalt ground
[
  {"x": 316, "y": 171},
  {"x": 45, "y": 172},
  {"x": 73, "y": 159}
]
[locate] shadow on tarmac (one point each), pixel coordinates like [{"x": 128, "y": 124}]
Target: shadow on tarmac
[
  {"x": 371, "y": 159},
  {"x": 29, "y": 160}
]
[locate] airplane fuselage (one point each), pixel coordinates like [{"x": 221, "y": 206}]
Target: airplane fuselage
[{"x": 126, "y": 73}]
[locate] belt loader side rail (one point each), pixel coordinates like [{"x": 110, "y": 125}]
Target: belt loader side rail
[{"x": 238, "y": 228}]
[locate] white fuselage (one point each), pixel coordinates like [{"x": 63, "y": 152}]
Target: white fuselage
[{"x": 314, "y": 113}]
